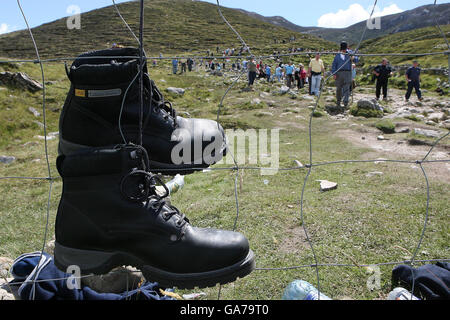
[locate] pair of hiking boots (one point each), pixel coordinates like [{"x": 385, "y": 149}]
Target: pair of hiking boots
[{"x": 110, "y": 213}]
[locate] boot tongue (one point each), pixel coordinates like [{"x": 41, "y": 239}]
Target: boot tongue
[{"x": 112, "y": 73}]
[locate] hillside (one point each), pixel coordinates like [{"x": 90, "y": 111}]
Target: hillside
[
  {"x": 420, "y": 17},
  {"x": 420, "y": 41},
  {"x": 171, "y": 26}
]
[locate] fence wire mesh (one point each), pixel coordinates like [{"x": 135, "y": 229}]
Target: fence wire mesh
[{"x": 236, "y": 168}]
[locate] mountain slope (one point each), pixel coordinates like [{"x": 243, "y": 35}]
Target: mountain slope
[
  {"x": 420, "y": 17},
  {"x": 416, "y": 41},
  {"x": 171, "y": 26}
]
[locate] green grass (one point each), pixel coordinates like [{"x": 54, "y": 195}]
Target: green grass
[
  {"x": 386, "y": 126},
  {"x": 366, "y": 220}
]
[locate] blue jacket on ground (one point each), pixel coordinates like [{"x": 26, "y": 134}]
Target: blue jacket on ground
[
  {"x": 51, "y": 283},
  {"x": 346, "y": 64},
  {"x": 430, "y": 281}
]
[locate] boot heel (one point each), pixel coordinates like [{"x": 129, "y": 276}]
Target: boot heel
[{"x": 88, "y": 261}]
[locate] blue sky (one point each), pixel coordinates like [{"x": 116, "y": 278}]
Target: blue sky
[{"x": 325, "y": 13}]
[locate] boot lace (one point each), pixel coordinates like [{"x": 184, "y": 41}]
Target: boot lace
[
  {"x": 148, "y": 192},
  {"x": 157, "y": 100}
]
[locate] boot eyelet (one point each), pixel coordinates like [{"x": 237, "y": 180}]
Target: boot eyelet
[
  {"x": 154, "y": 205},
  {"x": 165, "y": 216},
  {"x": 173, "y": 238}
]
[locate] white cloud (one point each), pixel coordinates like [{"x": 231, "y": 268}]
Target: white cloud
[
  {"x": 392, "y": 9},
  {"x": 4, "y": 28},
  {"x": 354, "y": 14}
]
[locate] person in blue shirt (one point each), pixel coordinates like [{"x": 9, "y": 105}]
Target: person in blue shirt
[
  {"x": 175, "y": 66},
  {"x": 268, "y": 72},
  {"x": 289, "y": 74},
  {"x": 413, "y": 78},
  {"x": 278, "y": 73},
  {"x": 342, "y": 73}
]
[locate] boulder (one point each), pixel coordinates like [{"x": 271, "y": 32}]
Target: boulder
[
  {"x": 368, "y": 108},
  {"x": 117, "y": 281},
  {"x": 256, "y": 101},
  {"x": 19, "y": 80},
  {"x": 34, "y": 112},
  {"x": 436, "y": 116},
  {"x": 283, "y": 90},
  {"x": 7, "y": 159},
  {"x": 427, "y": 133},
  {"x": 178, "y": 91},
  {"x": 327, "y": 185}
]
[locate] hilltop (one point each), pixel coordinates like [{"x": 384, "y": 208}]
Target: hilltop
[
  {"x": 420, "y": 17},
  {"x": 174, "y": 26}
]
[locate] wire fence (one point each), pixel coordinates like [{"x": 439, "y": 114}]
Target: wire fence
[{"x": 236, "y": 167}]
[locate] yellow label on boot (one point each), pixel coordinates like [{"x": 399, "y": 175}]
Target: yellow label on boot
[{"x": 80, "y": 93}]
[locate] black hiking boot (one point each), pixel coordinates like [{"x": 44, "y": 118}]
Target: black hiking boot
[
  {"x": 102, "y": 110},
  {"x": 110, "y": 215}
]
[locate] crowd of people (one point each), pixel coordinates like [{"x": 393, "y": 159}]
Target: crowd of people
[{"x": 343, "y": 69}]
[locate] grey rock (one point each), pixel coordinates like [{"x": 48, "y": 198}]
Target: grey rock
[
  {"x": 326, "y": 185},
  {"x": 374, "y": 173},
  {"x": 369, "y": 104},
  {"x": 308, "y": 97},
  {"x": 117, "y": 281},
  {"x": 34, "y": 112},
  {"x": 427, "y": 133},
  {"x": 48, "y": 138},
  {"x": 435, "y": 116},
  {"x": 256, "y": 101},
  {"x": 7, "y": 159},
  {"x": 19, "y": 80},
  {"x": 402, "y": 130},
  {"x": 178, "y": 91},
  {"x": 284, "y": 90}
]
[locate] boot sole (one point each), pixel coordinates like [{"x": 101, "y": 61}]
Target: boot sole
[
  {"x": 67, "y": 148},
  {"x": 99, "y": 262}
]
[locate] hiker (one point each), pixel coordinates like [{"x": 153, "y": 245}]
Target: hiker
[
  {"x": 315, "y": 71},
  {"x": 261, "y": 70},
  {"x": 278, "y": 73},
  {"x": 301, "y": 76},
  {"x": 183, "y": 67},
  {"x": 190, "y": 63},
  {"x": 342, "y": 73},
  {"x": 289, "y": 69},
  {"x": 413, "y": 78},
  {"x": 175, "y": 65},
  {"x": 353, "y": 85},
  {"x": 383, "y": 72},
  {"x": 251, "y": 72},
  {"x": 268, "y": 73}
]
